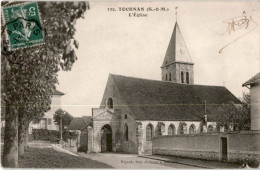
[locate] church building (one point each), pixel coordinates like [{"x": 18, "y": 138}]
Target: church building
[{"x": 134, "y": 110}]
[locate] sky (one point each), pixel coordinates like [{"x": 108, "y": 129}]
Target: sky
[{"x": 113, "y": 42}]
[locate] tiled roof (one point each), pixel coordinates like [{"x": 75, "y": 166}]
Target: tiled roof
[
  {"x": 253, "y": 80},
  {"x": 160, "y": 100},
  {"x": 87, "y": 119},
  {"x": 79, "y": 123},
  {"x": 177, "y": 50},
  {"x": 56, "y": 92}
]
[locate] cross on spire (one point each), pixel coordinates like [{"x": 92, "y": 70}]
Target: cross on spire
[{"x": 176, "y": 12}]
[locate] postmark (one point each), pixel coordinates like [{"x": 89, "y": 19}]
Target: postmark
[{"x": 23, "y": 25}]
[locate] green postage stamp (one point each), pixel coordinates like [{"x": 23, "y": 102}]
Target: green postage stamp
[{"x": 23, "y": 25}]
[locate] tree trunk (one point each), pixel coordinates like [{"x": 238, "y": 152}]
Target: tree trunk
[
  {"x": 21, "y": 134},
  {"x": 26, "y": 135},
  {"x": 10, "y": 153}
]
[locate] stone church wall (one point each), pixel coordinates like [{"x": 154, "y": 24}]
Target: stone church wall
[
  {"x": 97, "y": 126},
  {"x": 124, "y": 118},
  {"x": 185, "y": 68},
  {"x": 129, "y": 146},
  {"x": 240, "y": 146},
  {"x": 175, "y": 70}
]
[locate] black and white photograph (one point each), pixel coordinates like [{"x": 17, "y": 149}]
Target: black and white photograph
[{"x": 130, "y": 85}]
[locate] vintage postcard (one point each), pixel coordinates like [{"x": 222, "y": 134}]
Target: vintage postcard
[{"x": 130, "y": 84}]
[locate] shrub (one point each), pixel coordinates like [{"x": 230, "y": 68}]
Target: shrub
[
  {"x": 52, "y": 135},
  {"x": 45, "y": 135}
]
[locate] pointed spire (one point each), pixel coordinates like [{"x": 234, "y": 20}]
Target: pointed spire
[{"x": 177, "y": 50}]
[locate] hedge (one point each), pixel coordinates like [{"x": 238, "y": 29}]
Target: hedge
[{"x": 52, "y": 135}]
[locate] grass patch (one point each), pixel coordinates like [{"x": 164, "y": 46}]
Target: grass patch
[{"x": 50, "y": 158}]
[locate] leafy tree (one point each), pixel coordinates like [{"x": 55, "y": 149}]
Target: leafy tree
[
  {"x": 246, "y": 101},
  {"x": 236, "y": 116},
  {"x": 29, "y": 75},
  {"x": 61, "y": 116}
]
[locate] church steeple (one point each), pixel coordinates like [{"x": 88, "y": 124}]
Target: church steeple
[{"x": 177, "y": 65}]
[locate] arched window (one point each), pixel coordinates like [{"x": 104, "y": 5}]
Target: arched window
[
  {"x": 149, "y": 132},
  {"x": 170, "y": 76},
  {"x": 187, "y": 78},
  {"x": 210, "y": 128},
  {"x": 182, "y": 77},
  {"x": 125, "y": 116},
  {"x": 166, "y": 77},
  {"x": 110, "y": 103},
  {"x": 192, "y": 129},
  {"x": 171, "y": 129},
  {"x": 126, "y": 132}
]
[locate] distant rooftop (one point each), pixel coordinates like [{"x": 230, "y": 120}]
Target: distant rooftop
[
  {"x": 253, "y": 80},
  {"x": 78, "y": 123},
  {"x": 56, "y": 92}
]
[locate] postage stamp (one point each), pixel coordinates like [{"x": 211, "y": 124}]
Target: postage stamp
[{"x": 23, "y": 25}]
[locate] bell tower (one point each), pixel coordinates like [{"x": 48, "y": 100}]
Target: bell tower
[{"x": 177, "y": 65}]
